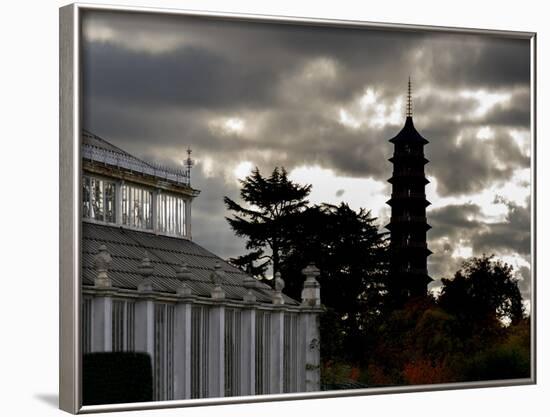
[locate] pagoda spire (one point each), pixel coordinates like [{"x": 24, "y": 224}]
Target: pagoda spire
[{"x": 409, "y": 99}]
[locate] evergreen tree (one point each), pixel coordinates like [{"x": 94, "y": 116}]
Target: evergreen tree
[{"x": 271, "y": 204}]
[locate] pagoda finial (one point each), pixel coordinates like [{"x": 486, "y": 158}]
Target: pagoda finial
[{"x": 409, "y": 99}]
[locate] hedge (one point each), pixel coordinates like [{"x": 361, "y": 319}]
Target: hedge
[{"x": 116, "y": 377}]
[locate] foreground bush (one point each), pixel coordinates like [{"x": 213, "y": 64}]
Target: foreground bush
[{"x": 116, "y": 377}]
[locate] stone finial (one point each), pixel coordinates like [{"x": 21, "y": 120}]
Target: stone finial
[
  {"x": 249, "y": 268},
  {"x": 277, "y": 297},
  {"x": 183, "y": 274},
  {"x": 184, "y": 290},
  {"x": 217, "y": 275},
  {"x": 217, "y": 278},
  {"x": 311, "y": 292},
  {"x": 279, "y": 282},
  {"x": 249, "y": 297},
  {"x": 102, "y": 261},
  {"x": 249, "y": 283},
  {"x": 146, "y": 269}
]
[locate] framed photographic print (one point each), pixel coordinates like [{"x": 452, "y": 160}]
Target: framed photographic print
[{"x": 259, "y": 208}]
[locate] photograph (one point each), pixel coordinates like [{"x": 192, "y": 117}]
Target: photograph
[{"x": 281, "y": 207}]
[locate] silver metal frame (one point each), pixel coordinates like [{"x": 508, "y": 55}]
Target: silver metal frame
[{"x": 70, "y": 394}]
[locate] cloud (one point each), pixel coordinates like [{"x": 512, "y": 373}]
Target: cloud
[
  {"x": 186, "y": 77},
  {"x": 454, "y": 221},
  {"x": 456, "y": 227},
  {"x": 210, "y": 228},
  {"x": 294, "y": 89},
  {"x": 513, "y": 235},
  {"x": 475, "y": 61},
  {"x": 302, "y": 96}
]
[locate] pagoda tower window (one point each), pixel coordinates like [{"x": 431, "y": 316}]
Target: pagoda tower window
[{"x": 98, "y": 199}]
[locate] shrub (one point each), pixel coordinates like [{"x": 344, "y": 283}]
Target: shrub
[
  {"x": 116, "y": 377},
  {"x": 501, "y": 362}
]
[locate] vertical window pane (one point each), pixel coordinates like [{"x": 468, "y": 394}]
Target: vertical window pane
[
  {"x": 110, "y": 202},
  {"x": 96, "y": 188},
  {"x": 199, "y": 351},
  {"x": 98, "y": 199},
  {"x": 130, "y": 325},
  {"x": 117, "y": 326},
  {"x": 124, "y": 198},
  {"x": 86, "y": 197},
  {"x": 171, "y": 214},
  {"x": 179, "y": 217},
  {"x": 183, "y": 219},
  {"x": 137, "y": 209},
  {"x": 87, "y": 325}
]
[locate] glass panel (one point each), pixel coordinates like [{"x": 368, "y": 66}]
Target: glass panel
[
  {"x": 232, "y": 351},
  {"x": 171, "y": 214},
  {"x": 130, "y": 325},
  {"x": 110, "y": 202},
  {"x": 87, "y": 325},
  {"x": 149, "y": 210},
  {"x": 180, "y": 217},
  {"x": 159, "y": 353},
  {"x": 98, "y": 199},
  {"x": 199, "y": 352},
  {"x": 163, "y": 379},
  {"x": 125, "y": 208},
  {"x": 195, "y": 351},
  {"x": 86, "y": 197},
  {"x": 117, "y": 326},
  {"x": 137, "y": 209},
  {"x": 96, "y": 187},
  {"x": 263, "y": 351}
]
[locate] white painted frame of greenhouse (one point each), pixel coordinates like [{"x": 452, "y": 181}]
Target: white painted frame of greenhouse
[{"x": 208, "y": 347}]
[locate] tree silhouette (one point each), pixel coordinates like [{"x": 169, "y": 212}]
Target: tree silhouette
[
  {"x": 343, "y": 243},
  {"x": 352, "y": 257},
  {"x": 271, "y": 204},
  {"x": 483, "y": 290}
]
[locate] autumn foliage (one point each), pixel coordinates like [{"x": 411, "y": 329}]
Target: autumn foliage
[
  {"x": 477, "y": 330},
  {"x": 432, "y": 341}
]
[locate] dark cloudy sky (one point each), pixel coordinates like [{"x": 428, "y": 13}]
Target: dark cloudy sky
[{"x": 323, "y": 102}]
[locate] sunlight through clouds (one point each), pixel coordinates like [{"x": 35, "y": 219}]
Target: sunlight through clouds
[
  {"x": 486, "y": 100},
  {"x": 485, "y": 133},
  {"x": 228, "y": 125},
  {"x": 320, "y": 69},
  {"x": 372, "y": 110},
  {"x": 491, "y": 200},
  {"x": 243, "y": 169},
  {"x": 327, "y": 187},
  {"x": 347, "y": 120},
  {"x": 523, "y": 138},
  {"x": 463, "y": 252}
]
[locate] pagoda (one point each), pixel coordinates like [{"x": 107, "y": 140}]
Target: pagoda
[{"x": 408, "y": 224}]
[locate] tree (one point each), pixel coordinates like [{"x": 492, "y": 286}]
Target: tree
[
  {"x": 282, "y": 230},
  {"x": 483, "y": 290},
  {"x": 352, "y": 256},
  {"x": 461, "y": 336},
  {"x": 264, "y": 221}
]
